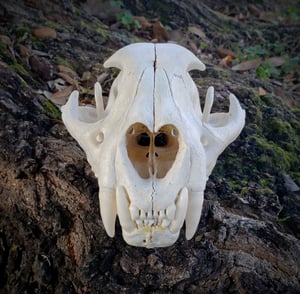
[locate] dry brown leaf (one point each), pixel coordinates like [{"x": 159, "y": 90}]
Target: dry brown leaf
[
  {"x": 261, "y": 91},
  {"x": 276, "y": 61},
  {"x": 192, "y": 46},
  {"x": 176, "y": 35},
  {"x": 143, "y": 21},
  {"x": 159, "y": 32},
  {"x": 67, "y": 70},
  {"x": 42, "y": 33},
  {"x": 223, "y": 52},
  {"x": 247, "y": 65},
  {"x": 226, "y": 61},
  {"x": 86, "y": 76},
  {"x": 6, "y": 40},
  {"x": 197, "y": 31},
  {"x": 61, "y": 97},
  {"x": 67, "y": 78},
  {"x": 24, "y": 51}
]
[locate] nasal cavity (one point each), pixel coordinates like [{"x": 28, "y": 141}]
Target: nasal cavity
[{"x": 152, "y": 154}]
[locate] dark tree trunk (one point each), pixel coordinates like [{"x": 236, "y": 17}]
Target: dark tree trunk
[{"x": 51, "y": 236}]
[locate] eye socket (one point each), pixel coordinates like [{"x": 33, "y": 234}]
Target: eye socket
[
  {"x": 161, "y": 140},
  {"x": 143, "y": 139}
]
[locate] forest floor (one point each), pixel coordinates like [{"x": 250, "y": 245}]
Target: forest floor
[{"x": 52, "y": 239}]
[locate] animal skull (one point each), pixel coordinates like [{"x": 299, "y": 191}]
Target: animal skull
[{"x": 152, "y": 148}]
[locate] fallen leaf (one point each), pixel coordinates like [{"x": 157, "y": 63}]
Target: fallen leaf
[
  {"x": 159, "y": 32},
  {"x": 276, "y": 61},
  {"x": 61, "y": 97},
  {"x": 226, "y": 61},
  {"x": 247, "y": 65},
  {"x": 24, "y": 51},
  {"x": 6, "y": 40},
  {"x": 261, "y": 91},
  {"x": 42, "y": 67},
  {"x": 42, "y": 33},
  {"x": 86, "y": 76},
  {"x": 67, "y": 70},
  {"x": 197, "y": 31},
  {"x": 67, "y": 78},
  {"x": 143, "y": 21},
  {"x": 176, "y": 35},
  {"x": 192, "y": 46},
  {"x": 223, "y": 52}
]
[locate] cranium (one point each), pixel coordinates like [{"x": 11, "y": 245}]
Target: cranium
[{"x": 152, "y": 148}]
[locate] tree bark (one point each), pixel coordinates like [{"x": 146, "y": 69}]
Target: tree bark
[{"x": 51, "y": 235}]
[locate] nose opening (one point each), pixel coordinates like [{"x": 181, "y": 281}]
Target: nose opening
[{"x": 152, "y": 154}]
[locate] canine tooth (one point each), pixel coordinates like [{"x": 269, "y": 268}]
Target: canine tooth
[
  {"x": 171, "y": 212},
  {"x": 181, "y": 207},
  {"x": 193, "y": 213},
  {"x": 108, "y": 209},
  {"x": 123, "y": 210},
  {"x": 134, "y": 211}
]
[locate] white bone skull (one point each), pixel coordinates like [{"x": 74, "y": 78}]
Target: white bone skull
[{"x": 152, "y": 148}]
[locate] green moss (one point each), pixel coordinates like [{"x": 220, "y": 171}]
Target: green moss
[
  {"x": 19, "y": 69},
  {"x": 270, "y": 156},
  {"x": 62, "y": 61},
  {"x": 51, "y": 109},
  {"x": 21, "y": 31}
]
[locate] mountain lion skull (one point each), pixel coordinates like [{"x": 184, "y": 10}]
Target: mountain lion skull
[{"x": 152, "y": 148}]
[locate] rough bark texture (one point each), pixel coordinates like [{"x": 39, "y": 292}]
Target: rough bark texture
[{"x": 51, "y": 236}]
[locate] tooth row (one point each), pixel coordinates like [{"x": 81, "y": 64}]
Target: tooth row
[
  {"x": 187, "y": 207},
  {"x": 153, "y": 217}
]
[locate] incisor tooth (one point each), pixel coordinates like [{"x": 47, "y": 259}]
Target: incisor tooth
[
  {"x": 108, "y": 209},
  {"x": 161, "y": 215},
  {"x": 193, "y": 213},
  {"x": 142, "y": 214},
  {"x": 181, "y": 207},
  {"x": 123, "y": 210}
]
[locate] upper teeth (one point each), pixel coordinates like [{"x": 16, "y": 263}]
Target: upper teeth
[
  {"x": 132, "y": 217},
  {"x": 187, "y": 207}
]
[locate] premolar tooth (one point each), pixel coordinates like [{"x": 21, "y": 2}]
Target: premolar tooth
[
  {"x": 108, "y": 209},
  {"x": 181, "y": 207},
  {"x": 123, "y": 210},
  {"x": 193, "y": 213},
  {"x": 134, "y": 211},
  {"x": 171, "y": 212}
]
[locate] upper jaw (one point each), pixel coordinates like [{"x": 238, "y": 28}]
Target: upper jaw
[{"x": 152, "y": 228}]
